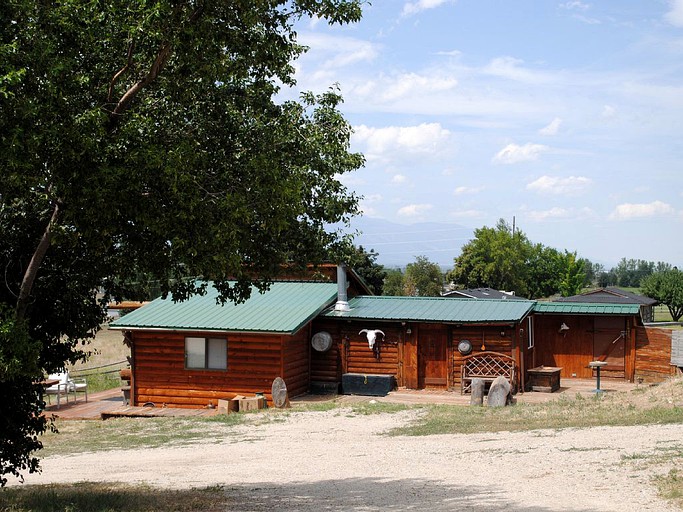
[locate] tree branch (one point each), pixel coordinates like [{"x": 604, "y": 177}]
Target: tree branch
[
  {"x": 154, "y": 70},
  {"x": 34, "y": 265},
  {"x": 121, "y": 71}
]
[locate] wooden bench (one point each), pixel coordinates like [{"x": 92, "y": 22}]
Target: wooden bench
[{"x": 487, "y": 366}]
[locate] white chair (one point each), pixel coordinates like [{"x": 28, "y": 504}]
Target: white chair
[
  {"x": 66, "y": 385},
  {"x": 79, "y": 385},
  {"x": 60, "y": 388}
]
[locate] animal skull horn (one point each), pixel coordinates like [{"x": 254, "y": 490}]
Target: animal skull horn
[{"x": 372, "y": 335}]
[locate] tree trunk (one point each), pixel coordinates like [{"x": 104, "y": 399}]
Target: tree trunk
[{"x": 34, "y": 265}]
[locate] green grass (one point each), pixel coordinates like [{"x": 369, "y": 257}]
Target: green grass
[
  {"x": 670, "y": 487},
  {"x": 135, "y": 433},
  {"x": 562, "y": 413},
  {"x": 95, "y": 497}
]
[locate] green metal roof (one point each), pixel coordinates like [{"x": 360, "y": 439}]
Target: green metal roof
[
  {"x": 283, "y": 309},
  {"x": 585, "y": 308},
  {"x": 434, "y": 309}
]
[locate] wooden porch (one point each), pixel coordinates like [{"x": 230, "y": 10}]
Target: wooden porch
[{"x": 109, "y": 404}]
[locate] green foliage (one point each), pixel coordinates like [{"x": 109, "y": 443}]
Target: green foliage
[
  {"x": 545, "y": 268},
  {"x": 365, "y": 264},
  {"x": 666, "y": 287},
  {"x": 495, "y": 258},
  {"x": 630, "y": 273},
  {"x": 423, "y": 278},
  {"x": 393, "y": 283},
  {"x": 573, "y": 276},
  {"x": 144, "y": 139}
]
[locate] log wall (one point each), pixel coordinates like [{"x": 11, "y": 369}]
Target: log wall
[
  {"x": 254, "y": 361},
  {"x": 327, "y": 366},
  {"x": 653, "y": 354},
  {"x": 296, "y": 362},
  {"x": 358, "y": 357},
  {"x": 488, "y": 337}
]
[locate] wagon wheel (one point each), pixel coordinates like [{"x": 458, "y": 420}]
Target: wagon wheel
[{"x": 279, "y": 393}]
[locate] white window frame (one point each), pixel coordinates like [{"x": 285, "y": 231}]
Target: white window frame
[
  {"x": 202, "y": 353},
  {"x": 530, "y": 329}
]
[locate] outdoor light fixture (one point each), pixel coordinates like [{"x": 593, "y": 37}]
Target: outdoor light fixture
[{"x": 564, "y": 328}]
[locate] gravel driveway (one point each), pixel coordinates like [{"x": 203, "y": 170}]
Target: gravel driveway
[{"x": 337, "y": 460}]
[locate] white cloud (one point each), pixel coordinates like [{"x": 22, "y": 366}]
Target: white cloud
[
  {"x": 414, "y": 210},
  {"x": 553, "y": 213},
  {"x": 450, "y": 53},
  {"x": 410, "y": 8},
  {"x": 385, "y": 142},
  {"x": 511, "y": 69},
  {"x": 406, "y": 85},
  {"x": 459, "y": 191},
  {"x": 559, "y": 186},
  {"x": 366, "y": 204},
  {"x": 675, "y": 15},
  {"x": 552, "y": 128},
  {"x": 608, "y": 112},
  {"x": 468, "y": 214},
  {"x": 514, "y": 153},
  {"x": 628, "y": 211},
  {"x": 398, "y": 179},
  {"x": 339, "y": 51},
  {"x": 575, "y": 5}
]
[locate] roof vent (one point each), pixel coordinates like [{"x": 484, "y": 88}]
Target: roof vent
[{"x": 342, "y": 304}]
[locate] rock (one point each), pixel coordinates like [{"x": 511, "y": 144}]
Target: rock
[
  {"x": 477, "y": 387},
  {"x": 499, "y": 394}
]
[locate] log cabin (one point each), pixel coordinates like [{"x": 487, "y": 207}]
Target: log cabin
[{"x": 192, "y": 354}]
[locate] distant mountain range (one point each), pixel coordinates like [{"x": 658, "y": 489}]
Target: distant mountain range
[{"x": 399, "y": 244}]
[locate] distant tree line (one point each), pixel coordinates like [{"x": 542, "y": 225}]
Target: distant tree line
[{"x": 503, "y": 258}]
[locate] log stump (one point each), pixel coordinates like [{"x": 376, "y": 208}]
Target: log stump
[
  {"x": 499, "y": 393},
  {"x": 477, "y": 396}
]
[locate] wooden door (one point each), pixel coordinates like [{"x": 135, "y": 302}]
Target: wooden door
[
  {"x": 433, "y": 364},
  {"x": 609, "y": 342}
]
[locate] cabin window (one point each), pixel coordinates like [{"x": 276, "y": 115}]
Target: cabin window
[{"x": 206, "y": 353}]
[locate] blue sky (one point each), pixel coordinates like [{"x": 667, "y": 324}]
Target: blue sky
[{"x": 566, "y": 115}]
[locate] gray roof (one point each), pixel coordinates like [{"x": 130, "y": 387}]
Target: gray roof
[
  {"x": 482, "y": 293},
  {"x": 609, "y": 295}
]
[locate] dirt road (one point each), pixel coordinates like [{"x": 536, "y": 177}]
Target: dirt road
[{"x": 336, "y": 461}]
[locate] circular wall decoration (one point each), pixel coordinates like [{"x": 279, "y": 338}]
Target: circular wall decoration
[
  {"x": 322, "y": 341},
  {"x": 465, "y": 347}
]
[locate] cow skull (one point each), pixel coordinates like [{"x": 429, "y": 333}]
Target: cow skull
[{"x": 372, "y": 335}]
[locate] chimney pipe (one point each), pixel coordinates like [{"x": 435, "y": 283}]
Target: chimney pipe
[{"x": 342, "y": 284}]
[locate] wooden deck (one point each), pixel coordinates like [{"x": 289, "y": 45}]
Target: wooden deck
[
  {"x": 109, "y": 404},
  {"x": 155, "y": 412}
]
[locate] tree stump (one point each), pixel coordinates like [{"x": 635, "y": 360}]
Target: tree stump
[
  {"x": 279, "y": 393},
  {"x": 499, "y": 394},
  {"x": 477, "y": 386}
]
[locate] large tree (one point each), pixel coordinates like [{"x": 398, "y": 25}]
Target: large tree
[
  {"x": 423, "y": 278},
  {"x": 146, "y": 138},
  {"x": 365, "y": 264},
  {"x": 496, "y": 257},
  {"x": 667, "y": 287}
]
